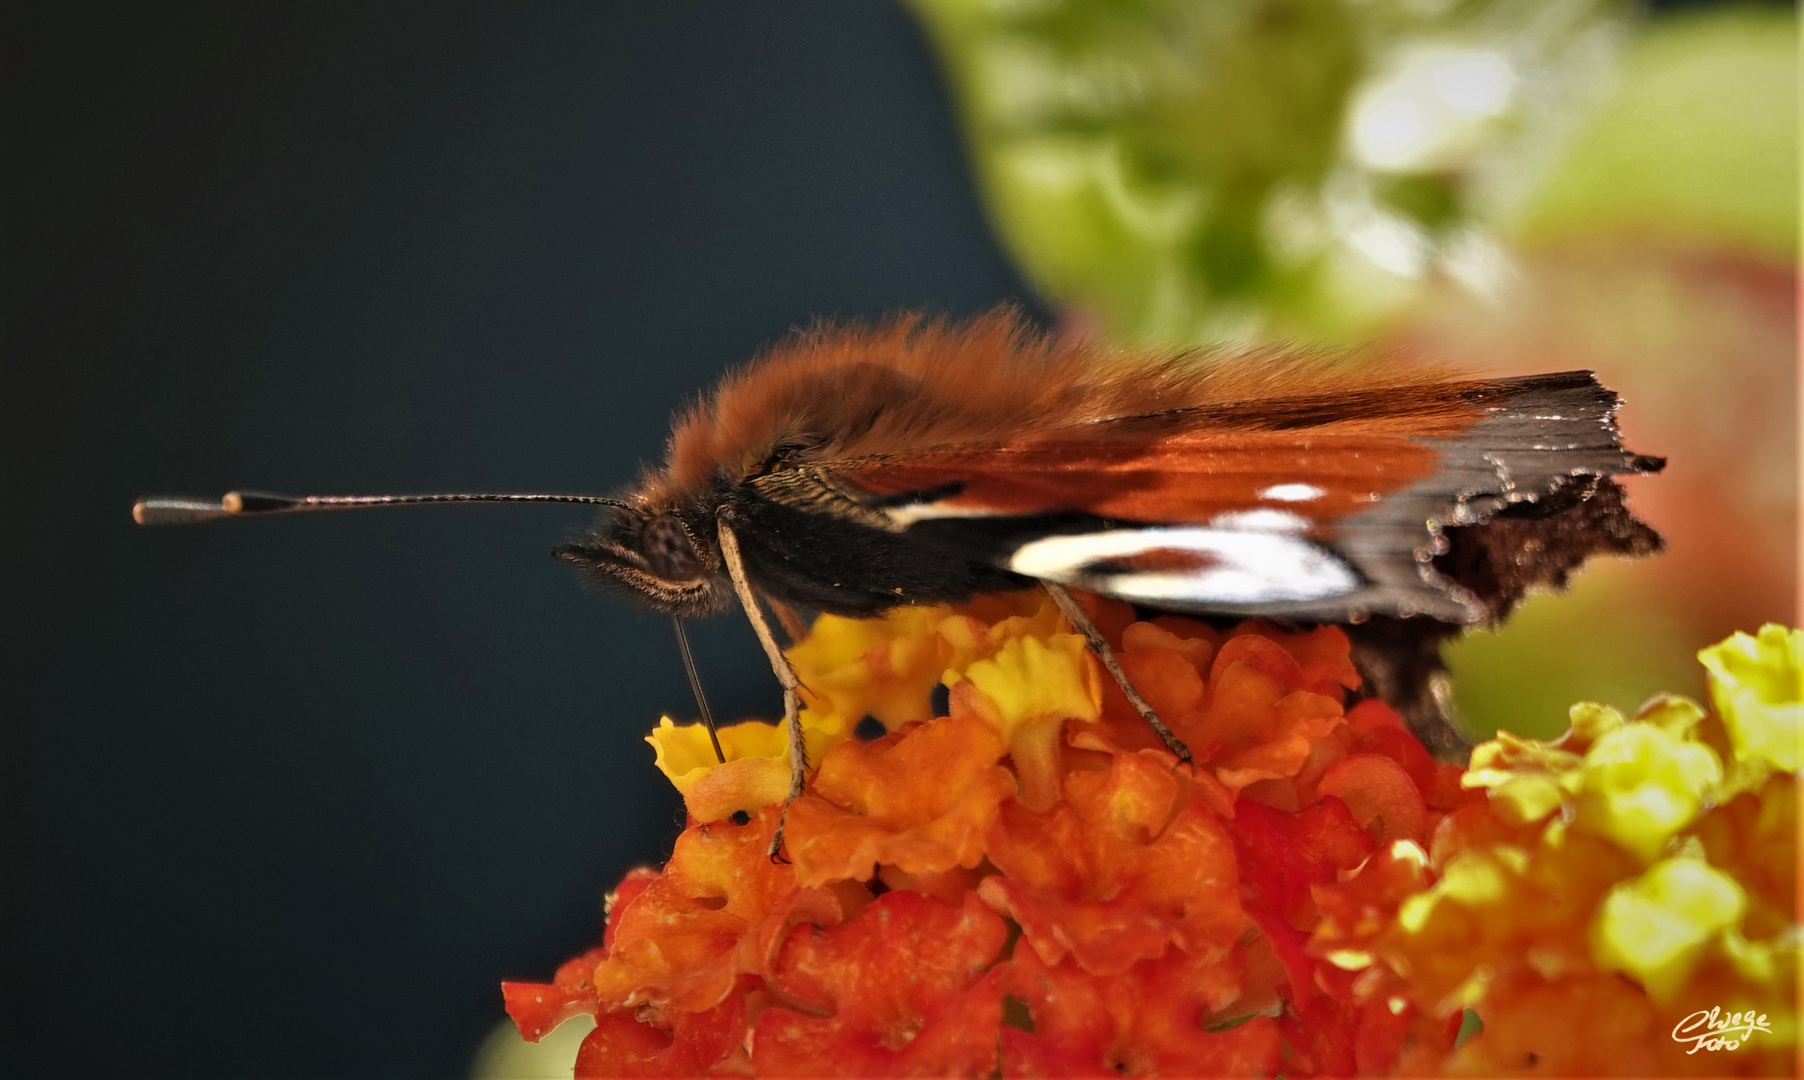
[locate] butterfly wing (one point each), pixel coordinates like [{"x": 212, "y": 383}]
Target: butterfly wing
[{"x": 1309, "y": 507}]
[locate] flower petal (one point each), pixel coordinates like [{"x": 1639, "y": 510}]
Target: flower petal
[
  {"x": 898, "y": 990},
  {"x": 756, "y": 772},
  {"x": 920, "y": 800},
  {"x": 1117, "y": 871},
  {"x": 1757, "y": 685},
  {"x": 1152, "y": 1019},
  {"x": 694, "y": 1043}
]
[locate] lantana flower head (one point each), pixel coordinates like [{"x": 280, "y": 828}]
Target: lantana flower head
[
  {"x": 1029, "y": 884},
  {"x": 1614, "y": 886}
]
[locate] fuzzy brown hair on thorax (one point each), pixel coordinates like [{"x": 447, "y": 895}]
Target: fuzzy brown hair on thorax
[{"x": 911, "y": 383}]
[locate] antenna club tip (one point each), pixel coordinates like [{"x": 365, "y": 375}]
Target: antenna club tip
[
  {"x": 138, "y": 510},
  {"x": 233, "y": 502}
]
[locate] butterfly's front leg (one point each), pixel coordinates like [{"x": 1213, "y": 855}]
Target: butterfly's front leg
[
  {"x": 1099, "y": 645},
  {"x": 792, "y": 698}
]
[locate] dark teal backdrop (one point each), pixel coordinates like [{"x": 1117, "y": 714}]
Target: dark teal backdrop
[{"x": 290, "y": 798}]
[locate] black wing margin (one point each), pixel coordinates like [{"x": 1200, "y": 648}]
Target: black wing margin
[{"x": 1519, "y": 501}]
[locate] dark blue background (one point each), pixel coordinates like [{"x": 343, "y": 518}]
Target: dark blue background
[{"x": 290, "y": 797}]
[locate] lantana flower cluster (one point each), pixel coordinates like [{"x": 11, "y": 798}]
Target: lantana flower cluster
[
  {"x": 1622, "y": 901},
  {"x": 1024, "y": 882}
]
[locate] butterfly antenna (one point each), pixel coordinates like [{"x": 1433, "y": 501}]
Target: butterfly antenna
[
  {"x": 695, "y": 684},
  {"x": 181, "y": 510}
]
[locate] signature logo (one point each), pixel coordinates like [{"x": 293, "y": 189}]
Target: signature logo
[{"x": 1709, "y": 1029}]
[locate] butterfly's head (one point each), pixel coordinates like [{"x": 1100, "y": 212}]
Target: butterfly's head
[{"x": 664, "y": 559}]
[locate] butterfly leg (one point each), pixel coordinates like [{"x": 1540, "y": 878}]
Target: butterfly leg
[
  {"x": 1081, "y": 619},
  {"x": 786, "y": 676}
]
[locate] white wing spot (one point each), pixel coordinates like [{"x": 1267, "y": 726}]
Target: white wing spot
[
  {"x": 1264, "y": 520},
  {"x": 1292, "y": 492},
  {"x": 1235, "y": 566}
]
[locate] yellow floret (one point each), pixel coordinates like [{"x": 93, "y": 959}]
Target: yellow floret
[
  {"x": 1757, "y": 686},
  {"x": 884, "y": 667},
  {"x": 756, "y": 772},
  {"x": 1655, "y": 928},
  {"x": 1031, "y": 680},
  {"x": 1027, "y": 690},
  {"x": 1642, "y": 785}
]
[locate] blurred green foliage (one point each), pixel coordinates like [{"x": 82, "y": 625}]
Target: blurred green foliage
[
  {"x": 1584, "y": 645},
  {"x": 1187, "y": 172},
  {"x": 1700, "y": 137},
  {"x": 1194, "y": 171}
]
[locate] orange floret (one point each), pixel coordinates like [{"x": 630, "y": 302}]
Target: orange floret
[
  {"x": 1122, "y": 868},
  {"x": 683, "y": 941},
  {"x": 1380, "y": 794},
  {"x": 899, "y": 990},
  {"x": 1284, "y": 856},
  {"x": 536, "y": 1008},
  {"x": 920, "y": 800},
  {"x": 1170, "y": 1016},
  {"x": 696, "y": 1043},
  {"x": 1259, "y": 709}
]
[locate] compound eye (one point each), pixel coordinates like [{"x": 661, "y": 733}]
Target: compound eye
[{"x": 667, "y": 550}]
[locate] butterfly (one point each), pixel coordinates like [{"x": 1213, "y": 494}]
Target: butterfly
[{"x": 854, "y": 469}]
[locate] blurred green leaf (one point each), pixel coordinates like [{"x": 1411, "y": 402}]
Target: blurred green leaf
[
  {"x": 1594, "y": 643},
  {"x": 1185, "y": 171},
  {"x": 1700, "y": 138}
]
